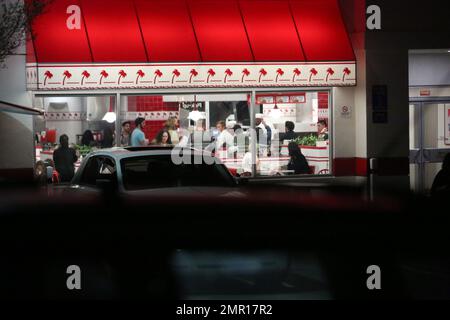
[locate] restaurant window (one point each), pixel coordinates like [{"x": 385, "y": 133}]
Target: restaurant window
[
  {"x": 220, "y": 123},
  {"x": 292, "y": 130},
  {"x": 88, "y": 121},
  {"x": 201, "y": 121}
]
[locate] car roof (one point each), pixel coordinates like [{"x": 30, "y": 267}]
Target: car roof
[{"x": 120, "y": 152}]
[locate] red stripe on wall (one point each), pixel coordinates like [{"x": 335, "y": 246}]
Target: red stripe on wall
[
  {"x": 360, "y": 167},
  {"x": 350, "y": 167},
  {"x": 344, "y": 167}
]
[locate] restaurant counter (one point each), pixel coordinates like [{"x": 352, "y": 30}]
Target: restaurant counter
[{"x": 317, "y": 157}]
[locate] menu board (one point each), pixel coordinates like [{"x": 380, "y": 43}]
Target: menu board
[{"x": 281, "y": 98}]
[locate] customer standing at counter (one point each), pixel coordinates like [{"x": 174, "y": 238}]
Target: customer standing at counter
[
  {"x": 138, "y": 136},
  {"x": 298, "y": 162},
  {"x": 65, "y": 158}
]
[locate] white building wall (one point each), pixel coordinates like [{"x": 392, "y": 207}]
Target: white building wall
[
  {"x": 361, "y": 106},
  {"x": 344, "y": 123},
  {"x": 16, "y": 130}
]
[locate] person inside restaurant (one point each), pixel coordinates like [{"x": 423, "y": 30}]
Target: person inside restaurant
[
  {"x": 138, "y": 136},
  {"x": 108, "y": 137},
  {"x": 163, "y": 138},
  {"x": 297, "y": 162},
  {"x": 126, "y": 134},
  {"x": 322, "y": 130},
  {"x": 171, "y": 126},
  {"x": 225, "y": 139},
  {"x": 88, "y": 139},
  {"x": 261, "y": 134},
  {"x": 247, "y": 162},
  {"x": 64, "y": 159},
  {"x": 289, "y": 133}
]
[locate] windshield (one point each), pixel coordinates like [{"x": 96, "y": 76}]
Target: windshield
[{"x": 152, "y": 172}]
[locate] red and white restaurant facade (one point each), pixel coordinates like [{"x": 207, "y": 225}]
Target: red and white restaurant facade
[{"x": 145, "y": 56}]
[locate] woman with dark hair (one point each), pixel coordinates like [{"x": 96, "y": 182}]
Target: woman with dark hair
[
  {"x": 441, "y": 183},
  {"x": 65, "y": 158},
  {"x": 88, "y": 139},
  {"x": 298, "y": 162},
  {"x": 163, "y": 138},
  {"x": 108, "y": 138}
]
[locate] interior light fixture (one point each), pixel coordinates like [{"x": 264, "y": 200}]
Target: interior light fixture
[
  {"x": 195, "y": 115},
  {"x": 110, "y": 116},
  {"x": 276, "y": 112}
]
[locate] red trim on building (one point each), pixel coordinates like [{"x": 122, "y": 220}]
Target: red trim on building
[
  {"x": 350, "y": 167},
  {"x": 360, "y": 167}
]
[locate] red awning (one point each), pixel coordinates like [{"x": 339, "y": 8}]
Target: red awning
[{"x": 195, "y": 32}]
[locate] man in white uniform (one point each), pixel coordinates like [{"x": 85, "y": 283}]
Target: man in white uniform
[{"x": 225, "y": 139}]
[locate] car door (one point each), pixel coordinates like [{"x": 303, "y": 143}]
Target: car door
[{"x": 99, "y": 171}]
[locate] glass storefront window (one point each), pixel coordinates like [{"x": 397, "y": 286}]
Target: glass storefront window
[
  {"x": 201, "y": 121},
  {"x": 293, "y": 133},
  {"x": 87, "y": 121},
  {"x": 290, "y": 133}
]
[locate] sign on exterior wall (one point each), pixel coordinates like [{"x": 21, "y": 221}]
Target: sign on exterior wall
[
  {"x": 48, "y": 77},
  {"x": 346, "y": 112}
]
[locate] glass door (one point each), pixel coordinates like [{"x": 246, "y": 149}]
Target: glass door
[{"x": 429, "y": 142}]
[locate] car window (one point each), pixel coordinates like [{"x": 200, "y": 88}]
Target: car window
[
  {"x": 160, "y": 172},
  {"x": 99, "y": 167}
]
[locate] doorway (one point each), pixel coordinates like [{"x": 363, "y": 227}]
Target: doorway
[{"x": 429, "y": 141}]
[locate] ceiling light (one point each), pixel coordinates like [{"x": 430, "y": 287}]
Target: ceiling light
[
  {"x": 110, "y": 117},
  {"x": 276, "y": 112}
]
